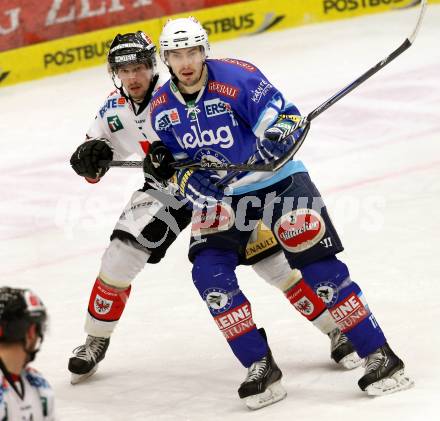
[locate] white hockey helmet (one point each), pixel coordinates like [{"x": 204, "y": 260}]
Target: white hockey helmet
[{"x": 182, "y": 33}]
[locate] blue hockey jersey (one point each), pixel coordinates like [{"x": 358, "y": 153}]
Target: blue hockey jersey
[{"x": 232, "y": 111}]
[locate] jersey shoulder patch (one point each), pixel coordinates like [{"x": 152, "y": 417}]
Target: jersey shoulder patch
[{"x": 114, "y": 101}]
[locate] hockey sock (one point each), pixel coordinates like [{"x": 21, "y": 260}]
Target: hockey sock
[
  {"x": 343, "y": 297},
  {"x": 305, "y": 300},
  {"x": 106, "y": 305},
  {"x": 214, "y": 278},
  {"x": 276, "y": 271}
]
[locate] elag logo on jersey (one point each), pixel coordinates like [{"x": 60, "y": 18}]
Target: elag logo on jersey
[
  {"x": 300, "y": 229},
  {"x": 166, "y": 119},
  {"x": 222, "y": 136}
]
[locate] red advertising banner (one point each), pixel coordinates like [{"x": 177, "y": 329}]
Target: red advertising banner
[{"x": 25, "y": 22}]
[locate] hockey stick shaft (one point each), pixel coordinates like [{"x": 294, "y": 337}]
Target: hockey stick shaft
[{"x": 303, "y": 124}]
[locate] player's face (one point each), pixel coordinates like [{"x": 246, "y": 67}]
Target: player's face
[
  {"x": 136, "y": 79},
  {"x": 187, "y": 65}
]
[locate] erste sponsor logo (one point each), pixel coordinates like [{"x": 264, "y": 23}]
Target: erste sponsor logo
[{"x": 112, "y": 103}]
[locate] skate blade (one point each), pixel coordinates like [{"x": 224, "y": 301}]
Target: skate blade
[
  {"x": 351, "y": 361},
  {"x": 274, "y": 393},
  {"x": 396, "y": 383},
  {"x": 78, "y": 378}
]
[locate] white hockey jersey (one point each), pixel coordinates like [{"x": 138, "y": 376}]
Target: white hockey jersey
[
  {"x": 36, "y": 402},
  {"x": 128, "y": 131}
]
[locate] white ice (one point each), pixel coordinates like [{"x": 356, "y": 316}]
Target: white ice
[{"x": 375, "y": 158}]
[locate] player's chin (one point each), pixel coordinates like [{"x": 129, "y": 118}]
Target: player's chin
[
  {"x": 189, "y": 80},
  {"x": 135, "y": 91}
]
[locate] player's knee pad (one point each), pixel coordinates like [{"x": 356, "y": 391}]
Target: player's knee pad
[
  {"x": 121, "y": 263},
  {"x": 276, "y": 271}
]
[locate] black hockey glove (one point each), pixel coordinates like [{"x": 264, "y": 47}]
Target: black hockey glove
[
  {"x": 157, "y": 162},
  {"x": 85, "y": 160}
]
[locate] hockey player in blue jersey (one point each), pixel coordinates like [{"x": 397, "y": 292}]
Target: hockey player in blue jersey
[{"x": 228, "y": 111}]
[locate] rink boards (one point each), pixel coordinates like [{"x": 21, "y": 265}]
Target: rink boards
[{"x": 224, "y": 22}]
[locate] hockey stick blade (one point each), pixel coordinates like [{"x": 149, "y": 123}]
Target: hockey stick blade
[{"x": 304, "y": 123}]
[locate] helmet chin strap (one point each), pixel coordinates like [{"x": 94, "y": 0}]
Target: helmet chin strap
[{"x": 31, "y": 353}]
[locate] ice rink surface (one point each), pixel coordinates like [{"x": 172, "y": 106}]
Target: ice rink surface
[{"x": 374, "y": 156}]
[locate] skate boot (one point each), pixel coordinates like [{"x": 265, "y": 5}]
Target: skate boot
[
  {"x": 342, "y": 351},
  {"x": 262, "y": 386},
  {"x": 86, "y": 357},
  {"x": 384, "y": 373}
]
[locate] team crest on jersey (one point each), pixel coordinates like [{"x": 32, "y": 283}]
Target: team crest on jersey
[
  {"x": 114, "y": 123},
  {"x": 218, "y": 300},
  {"x": 300, "y": 229},
  {"x": 211, "y": 155},
  {"x": 328, "y": 292},
  {"x": 304, "y": 306},
  {"x": 101, "y": 305}
]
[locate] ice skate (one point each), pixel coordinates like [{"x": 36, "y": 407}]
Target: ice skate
[
  {"x": 86, "y": 357},
  {"x": 384, "y": 373},
  {"x": 342, "y": 351},
  {"x": 262, "y": 386}
]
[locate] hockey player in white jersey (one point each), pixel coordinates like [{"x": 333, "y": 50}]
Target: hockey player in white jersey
[
  {"x": 153, "y": 218},
  {"x": 24, "y": 393}
]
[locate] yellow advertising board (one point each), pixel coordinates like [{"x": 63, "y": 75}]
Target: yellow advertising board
[{"x": 223, "y": 22}]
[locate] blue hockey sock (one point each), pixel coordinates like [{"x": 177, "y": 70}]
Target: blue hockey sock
[
  {"x": 343, "y": 297},
  {"x": 214, "y": 278}
]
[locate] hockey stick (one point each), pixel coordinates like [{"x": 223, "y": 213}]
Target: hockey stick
[{"x": 303, "y": 124}]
